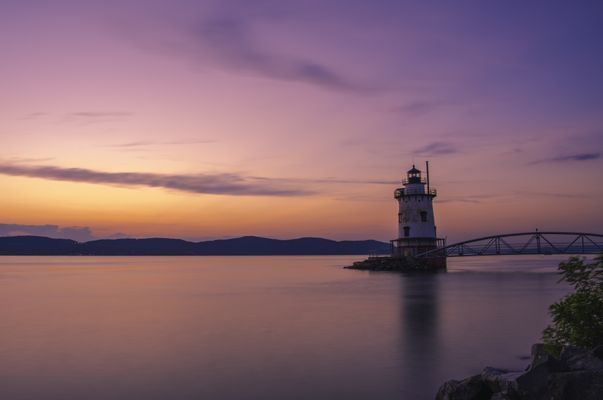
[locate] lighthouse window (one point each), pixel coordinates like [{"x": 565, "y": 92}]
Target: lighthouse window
[
  {"x": 423, "y": 216},
  {"x": 406, "y": 231}
]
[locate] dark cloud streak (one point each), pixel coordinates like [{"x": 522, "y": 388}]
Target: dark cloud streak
[
  {"x": 223, "y": 184},
  {"x": 578, "y": 157},
  {"x": 571, "y": 157}
]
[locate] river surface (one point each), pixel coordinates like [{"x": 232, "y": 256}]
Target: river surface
[{"x": 261, "y": 327}]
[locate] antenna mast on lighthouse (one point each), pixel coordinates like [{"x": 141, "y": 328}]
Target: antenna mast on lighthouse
[{"x": 427, "y": 172}]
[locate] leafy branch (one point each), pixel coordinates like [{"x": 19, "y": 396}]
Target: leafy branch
[{"x": 578, "y": 317}]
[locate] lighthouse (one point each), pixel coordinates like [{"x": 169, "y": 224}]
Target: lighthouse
[{"x": 416, "y": 222}]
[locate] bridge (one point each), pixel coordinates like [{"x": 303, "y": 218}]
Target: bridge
[{"x": 522, "y": 243}]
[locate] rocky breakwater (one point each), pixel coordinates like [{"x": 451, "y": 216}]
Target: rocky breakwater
[
  {"x": 401, "y": 264},
  {"x": 577, "y": 374}
]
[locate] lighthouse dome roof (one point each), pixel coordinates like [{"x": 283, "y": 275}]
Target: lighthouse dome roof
[{"x": 413, "y": 170}]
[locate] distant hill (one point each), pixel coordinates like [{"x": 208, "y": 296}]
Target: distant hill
[{"x": 247, "y": 245}]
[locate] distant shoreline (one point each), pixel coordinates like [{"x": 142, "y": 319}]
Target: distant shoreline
[{"x": 243, "y": 246}]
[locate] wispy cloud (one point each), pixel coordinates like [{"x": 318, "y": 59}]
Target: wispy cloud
[
  {"x": 332, "y": 180},
  {"x": 475, "y": 198},
  {"x": 570, "y": 157},
  {"x": 146, "y": 143},
  {"x": 189, "y": 141},
  {"x": 33, "y": 115},
  {"x": 224, "y": 184},
  {"x": 94, "y": 117},
  {"x": 80, "y": 117},
  {"x": 479, "y": 198},
  {"x": 551, "y": 194},
  {"x": 230, "y": 40},
  {"x": 27, "y": 160},
  {"x": 128, "y": 145},
  {"x": 437, "y": 148},
  {"x": 418, "y": 108},
  {"x": 78, "y": 233},
  {"x": 101, "y": 114},
  {"x": 459, "y": 200}
]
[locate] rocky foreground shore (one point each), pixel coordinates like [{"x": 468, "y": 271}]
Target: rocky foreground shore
[{"x": 576, "y": 375}]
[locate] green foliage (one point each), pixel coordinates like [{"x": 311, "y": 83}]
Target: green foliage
[{"x": 578, "y": 317}]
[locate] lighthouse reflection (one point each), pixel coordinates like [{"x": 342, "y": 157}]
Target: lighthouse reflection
[{"x": 419, "y": 338}]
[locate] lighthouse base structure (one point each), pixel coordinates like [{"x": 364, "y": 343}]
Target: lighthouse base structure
[
  {"x": 401, "y": 264},
  {"x": 402, "y": 258},
  {"x": 410, "y": 247}
]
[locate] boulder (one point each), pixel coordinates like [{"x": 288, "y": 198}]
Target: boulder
[
  {"x": 575, "y": 385},
  {"x": 576, "y": 359},
  {"x": 539, "y": 356},
  {"x": 502, "y": 396},
  {"x": 532, "y": 384},
  {"x": 500, "y": 380},
  {"x": 472, "y": 388},
  {"x": 576, "y": 375}
]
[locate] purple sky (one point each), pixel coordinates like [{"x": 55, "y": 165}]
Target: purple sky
[{"x": 203, "y": 119}]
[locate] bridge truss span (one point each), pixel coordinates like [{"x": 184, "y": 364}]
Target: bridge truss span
[{"x": 523, "y": 243}]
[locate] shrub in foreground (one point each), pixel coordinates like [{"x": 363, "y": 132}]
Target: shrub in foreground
[{"x": 577, "y": 319}]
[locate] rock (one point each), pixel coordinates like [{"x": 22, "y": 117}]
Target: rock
[
  {"x": 576, "y": 375},
  {"x": 539, "y": 355},
  {"x": 502, "y": 396},
  {"x": 472, "y": 388},
  {"x": 569, "y": 353},
  {"x": 532, "y": 384},
  {"x": 575, "y": 385},
  {"x": 576, "y": 359},
  {"x": 500, "y": 380},
  {"x": 401, "y": 264}
]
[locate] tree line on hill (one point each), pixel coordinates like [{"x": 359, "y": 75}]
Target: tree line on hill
[{"x": 248, "y": 245}]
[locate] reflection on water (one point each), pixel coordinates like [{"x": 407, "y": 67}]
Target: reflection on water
[
  {"x": 260, "y": 327},
  {"x": 419, "y": 332}
]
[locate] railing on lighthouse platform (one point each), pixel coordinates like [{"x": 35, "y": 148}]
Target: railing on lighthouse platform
[
  {"x": 424, "y": 244},
  {"x": 401, "y": 192}
]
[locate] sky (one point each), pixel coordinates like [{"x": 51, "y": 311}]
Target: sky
[{"x": 214, "y": 119}]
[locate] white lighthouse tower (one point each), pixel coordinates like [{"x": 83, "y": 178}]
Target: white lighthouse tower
[{"x": 416, "y": 222}]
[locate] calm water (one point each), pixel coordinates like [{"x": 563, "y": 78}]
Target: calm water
[{"x": 260, "y": 327}]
